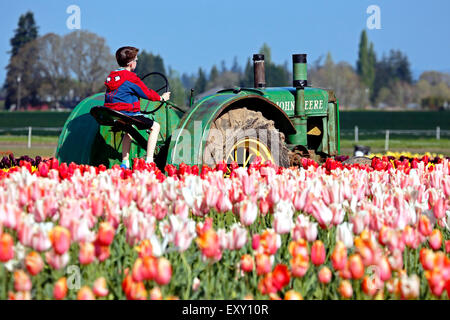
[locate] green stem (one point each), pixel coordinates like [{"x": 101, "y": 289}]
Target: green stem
[{"x": 188, "y": 268}]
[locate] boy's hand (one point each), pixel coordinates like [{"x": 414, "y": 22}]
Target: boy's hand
[{"x": 165, "y": 96}]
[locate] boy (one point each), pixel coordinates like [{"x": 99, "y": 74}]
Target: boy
[{"x": 123, "y": 90}]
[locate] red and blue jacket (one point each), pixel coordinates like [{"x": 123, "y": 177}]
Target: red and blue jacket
[{"x": 123, "y": 90}]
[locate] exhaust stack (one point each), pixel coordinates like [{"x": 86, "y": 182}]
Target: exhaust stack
[
  {"x": 259, "y": 71},
  {"x": 300, "y": 81}
]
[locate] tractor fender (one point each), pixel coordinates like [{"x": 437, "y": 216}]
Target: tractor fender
[
  {"x": 78, "y": 135},
  {"x": 188, "y": 140}
]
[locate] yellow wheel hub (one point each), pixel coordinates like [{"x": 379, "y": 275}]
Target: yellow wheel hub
[{"x": 245, "y": 150}]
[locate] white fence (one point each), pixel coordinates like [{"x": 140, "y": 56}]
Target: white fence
[
  {"x": 356, "y": 133},
  {"x": 29, "y": 130}
]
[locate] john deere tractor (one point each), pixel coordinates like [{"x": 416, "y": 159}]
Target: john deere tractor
[{"x": 279, "y": 124}]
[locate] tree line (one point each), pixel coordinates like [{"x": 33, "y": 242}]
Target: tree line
[{"x": 60, "y": 71}]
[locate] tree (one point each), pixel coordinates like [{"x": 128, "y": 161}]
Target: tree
[
  {"x": 236, "y": 68},
  {"x": 178, "y": 93},
  {"x": 390, "y": 69},
  {"x": 200, "y": 83},
  {"x": 276, "y": 75},
  {"x": 214, "y": 74},
  {"x": 26, "y": 32},
  {"x": 342, "y": 79},
  {"x": 23, "y": 65},
  {"x": 89, "y": 59},
  {"x": 151, "y": 63},
  {"x": 365, "y": 66},
  {"x": 267, "y": 52},
  {"x": 53, "y": 69},
  {"x": 435, "y": 77},
  {"x": 247, "y": 78}
]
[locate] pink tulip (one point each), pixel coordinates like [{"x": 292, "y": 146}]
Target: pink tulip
[
  {"x": 22, "y": 281},
  {"x": 435, "y": 239},
  {"x": 322, "y": 213},
  {"x": 384, "y": 269},
  {"x": 55, "y": 260},
  {"x": 263, "y": 264},
  {"x": 248, "y": 212},
  {"x": 238, "y": 237},
  {"x": 100, "y": 288},
  {"x": 164, "y": 271},
  {"x": 439, "y": 208}
]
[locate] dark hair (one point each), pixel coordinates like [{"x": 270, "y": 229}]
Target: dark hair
[{"x": 125, "y": 55}]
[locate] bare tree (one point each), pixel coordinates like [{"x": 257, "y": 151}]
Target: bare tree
[{"x": 88, "y": 59}]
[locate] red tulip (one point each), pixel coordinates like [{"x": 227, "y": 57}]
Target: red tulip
[
  {"x": 34, "y": 263},
  {"x": 325, "y": 275},
  {"x": 60, "y": 239},
  {"x": 85, "y": 293},
  {"x": 105, "y": 234},
  {"x": 318, "y": 253},
  {"x": 102, "y": 252},
  {"x": 6, "y": 247},
  {"x": 22, "y": 281},
  {"x": 425, "y": 226},
  {"x": 293, "y": 295},
  {"x": 356, "y": 266},
  {"x": 155, "y": 294},
  {"x": 87, "y": 253},
  {"x": 60, "y": 289},
  {"x": 339, "y": 256},
  {"x": 281, "y": 276},
  {"x": 247, "y": 263},
  {"x": 345, "y": 289}
]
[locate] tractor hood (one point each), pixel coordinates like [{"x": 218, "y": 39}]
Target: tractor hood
[{"x": 316, "y": 99}]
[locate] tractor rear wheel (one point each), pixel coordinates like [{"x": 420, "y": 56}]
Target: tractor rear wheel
[{"x": 242, "y": 134}]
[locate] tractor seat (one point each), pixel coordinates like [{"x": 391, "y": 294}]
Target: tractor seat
[{"x": 109, "y": 117}]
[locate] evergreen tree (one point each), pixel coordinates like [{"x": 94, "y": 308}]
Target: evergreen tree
[
  {"x": 247, "y": 77},
  {"x": 276, "y": 75},
  {"x": 26, "y": 32},
  {"x": 265, "y": 49},
  {"x": 214, "y": 74},
  {"x": 365, "y": 66},
  {"x": 200, "y": 84},
  {"x": 236, "y": 68},
  {"x": 147, "y": 62}
]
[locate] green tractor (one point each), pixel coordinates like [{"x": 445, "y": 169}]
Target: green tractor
[{"x": 278, "y": 124}]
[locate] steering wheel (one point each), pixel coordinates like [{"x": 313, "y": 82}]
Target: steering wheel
[{"x": 165, "y": 87}]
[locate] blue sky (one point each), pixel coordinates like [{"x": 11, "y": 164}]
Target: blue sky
[{"x": 200, "y": 33}]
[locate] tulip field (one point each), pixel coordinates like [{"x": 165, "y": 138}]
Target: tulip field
[{"x": 323, "y": 231}]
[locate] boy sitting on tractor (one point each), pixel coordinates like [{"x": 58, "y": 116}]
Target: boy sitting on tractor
[{"x": 123, "y": 90}]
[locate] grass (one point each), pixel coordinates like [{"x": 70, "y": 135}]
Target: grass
[
  {"x": 420, "y": 145},
  {"x": 46, "y": 145}
]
